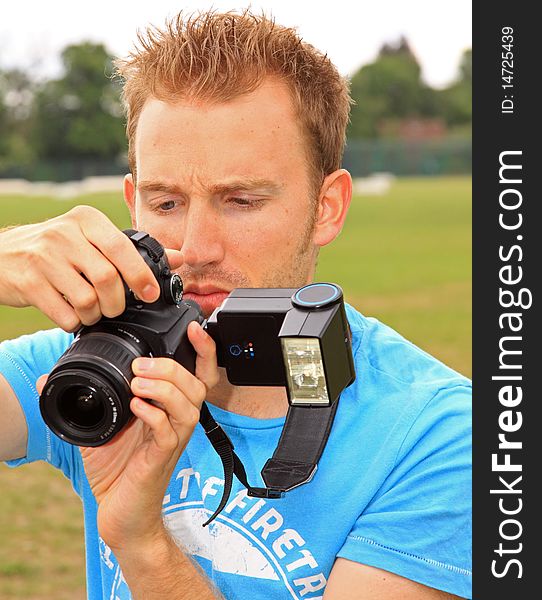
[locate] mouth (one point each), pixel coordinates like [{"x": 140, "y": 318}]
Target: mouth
[{"x": 208, "y": 297}]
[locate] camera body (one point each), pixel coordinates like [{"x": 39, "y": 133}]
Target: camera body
[{"x": 87, "y": 395}]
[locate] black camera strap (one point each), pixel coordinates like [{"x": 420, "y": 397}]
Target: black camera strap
[{"x": 294, "y": 462}]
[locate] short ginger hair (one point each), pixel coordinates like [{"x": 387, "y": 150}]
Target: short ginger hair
[{"x": 216, "y": 57}]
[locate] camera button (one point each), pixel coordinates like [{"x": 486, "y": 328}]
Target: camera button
[{"x": 235, "y": 350}]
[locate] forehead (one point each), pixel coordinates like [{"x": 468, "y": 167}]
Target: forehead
[{"x": 256, "y": 134}]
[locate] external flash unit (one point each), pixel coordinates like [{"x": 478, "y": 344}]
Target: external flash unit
[{"x": 296, "y": 338}]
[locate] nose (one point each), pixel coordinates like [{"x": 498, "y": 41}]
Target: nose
[{"x": 202, "y": 243}]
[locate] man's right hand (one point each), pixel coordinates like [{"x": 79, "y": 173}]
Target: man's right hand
[{"x": 43, "y": 264}]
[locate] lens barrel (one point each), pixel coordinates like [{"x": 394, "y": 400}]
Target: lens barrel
[{"x": 86, "y": 399}]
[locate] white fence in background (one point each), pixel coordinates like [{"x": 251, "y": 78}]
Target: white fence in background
[{"x": 375, "y": 185}]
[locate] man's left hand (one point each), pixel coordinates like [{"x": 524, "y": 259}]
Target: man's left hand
[{"x": 129, "y": 475}]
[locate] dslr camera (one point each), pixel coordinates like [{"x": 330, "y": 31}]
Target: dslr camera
[{"x": 86, "y": 399}]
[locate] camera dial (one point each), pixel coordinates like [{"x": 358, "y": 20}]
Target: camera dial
[{"x": 174, "y": 289}]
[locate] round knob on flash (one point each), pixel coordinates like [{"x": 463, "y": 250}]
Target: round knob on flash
[{"x": 317, "y": 295}]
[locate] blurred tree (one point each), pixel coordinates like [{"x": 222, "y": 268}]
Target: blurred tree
[
  {"x": 465, "y": 68},
  {"x": 3, "y": 116},
  {"x": 79, "y": 115},
  {"x": 389, "y": 88},
  {"x": 16, "y": 98},
  {"x": 455, "y": 101}
]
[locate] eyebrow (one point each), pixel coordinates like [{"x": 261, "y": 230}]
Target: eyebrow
[{"x": 245, "y": 184}]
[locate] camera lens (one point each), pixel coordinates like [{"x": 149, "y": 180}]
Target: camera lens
[
  {"x": 86, "y": 399},
  {"x": 82, "y": 407}
]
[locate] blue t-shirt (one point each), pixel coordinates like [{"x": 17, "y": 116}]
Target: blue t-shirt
[{"x": 392, "y": 489}]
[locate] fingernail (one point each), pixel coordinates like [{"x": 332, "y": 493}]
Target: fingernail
[
  {"x": 143, "y": 384},
  {"x": 144, "y": 364},
  {"x": 139, "y": 403}
]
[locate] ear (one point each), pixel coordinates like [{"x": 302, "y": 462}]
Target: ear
[
  {"x": 333, "y": 204},
  {"x": 130, "y": 197}
]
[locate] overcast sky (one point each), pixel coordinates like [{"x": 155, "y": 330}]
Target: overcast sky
[{"x": 32, "y": 32}]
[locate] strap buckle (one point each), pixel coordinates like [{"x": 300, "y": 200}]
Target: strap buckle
[{"x": 265, "y": 493}]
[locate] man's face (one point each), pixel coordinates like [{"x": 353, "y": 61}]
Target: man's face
[{"x": 227, "y": 184}]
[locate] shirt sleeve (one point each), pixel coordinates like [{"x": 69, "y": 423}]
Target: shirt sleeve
[
  {"x": 22, "y": 361},
  {"x": 418, "y": 525}
]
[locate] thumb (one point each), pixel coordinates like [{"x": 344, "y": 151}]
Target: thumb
[
  {"x": 40, "y": 383},
  {"x": 206, "y": 360}
]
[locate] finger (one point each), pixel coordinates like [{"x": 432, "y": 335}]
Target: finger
[
  {"x": 99, "y": 292},
  {"x": 165, "y": 440},
  {"x": 40, "y": 383},
  {"x": 121, "y": 252},
  {"x": 206, "y": 360},
  {"x": 181, "y": 411},
  {"x": 170, "y": 371},
  {"x": 51, "y": 303},
  {"x": 78, "y": 293},
  {"x": 107, "y": 283},
  {"x": 175, "y": 258}
]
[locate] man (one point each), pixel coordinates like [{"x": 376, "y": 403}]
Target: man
[{"x": 236, "y": 130}]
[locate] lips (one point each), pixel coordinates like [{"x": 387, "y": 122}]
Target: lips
[{"x": 208, "y": 297}]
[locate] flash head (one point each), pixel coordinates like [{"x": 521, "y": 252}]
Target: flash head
[{"x": 296, "y": 338}]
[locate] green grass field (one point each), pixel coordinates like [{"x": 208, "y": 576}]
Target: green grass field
[{"x": 404, "y": 258}]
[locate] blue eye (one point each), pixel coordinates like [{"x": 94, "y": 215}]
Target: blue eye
[{"x": 167, "y": 206}]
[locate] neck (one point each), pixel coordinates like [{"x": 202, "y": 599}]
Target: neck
[{"x": 257, "y": 402}]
